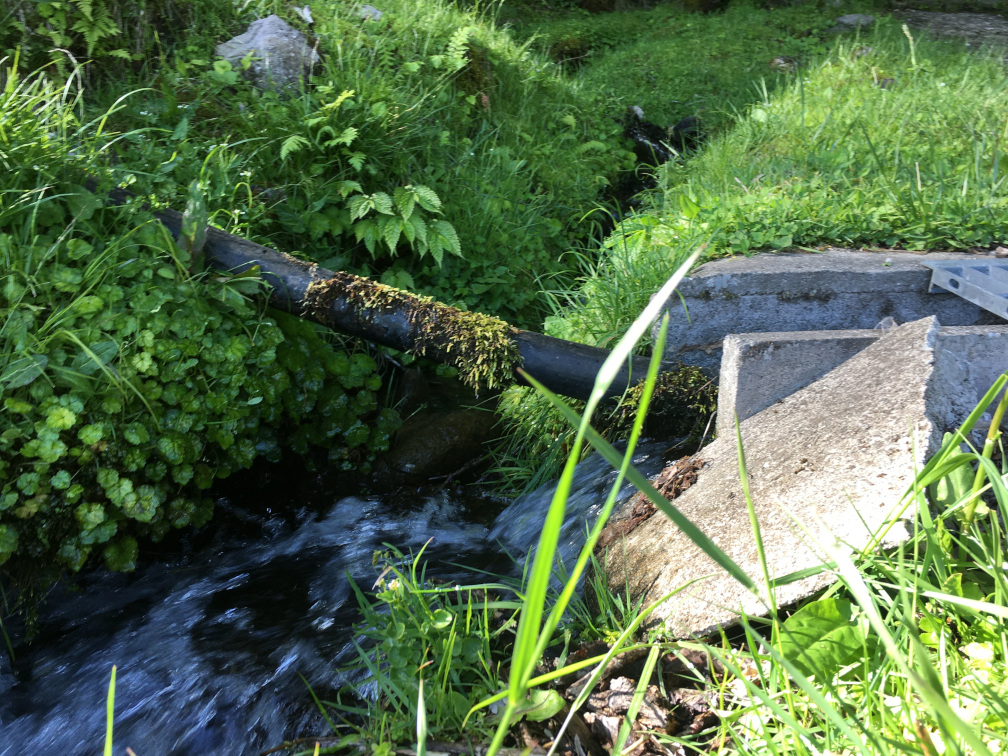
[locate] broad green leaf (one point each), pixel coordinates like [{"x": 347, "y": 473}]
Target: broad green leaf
[
  {"x": 82, "y": 203},
  {"x": 88, "y": 305},
  {"x": 23, "y": 371},
  {"x": 441, "y": 619},
  {"x": 391, "y": 232},
  {"x": 450, "y": 239},
  {"x": 60, "y": 418},
  {"x": 8, "y": 542},
  {"x": 821, "y": 637},
  {"x": 541, "y": 705},
  {"x": 360, "y": 206},
  {"x": 382, "y": 203},
  {"x": 18, "y": 406},
  {"x": 91, "y": 358},
  {"x": 690, "y": 209},
  {"x": 405, "y": 200}
]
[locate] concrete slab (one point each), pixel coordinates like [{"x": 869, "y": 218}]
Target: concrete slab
[
  {"x": 834, "y": 290},
  {"x": 759, "y": 369},
  {"x": 835, "y": 472}
]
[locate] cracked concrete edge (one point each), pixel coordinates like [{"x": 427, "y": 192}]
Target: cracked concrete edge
[
  {"x": 808, "y": 463},
  {"x": 759, "y": 369}
]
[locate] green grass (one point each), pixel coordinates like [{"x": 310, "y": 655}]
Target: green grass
[{"x": 673, "y": 63}]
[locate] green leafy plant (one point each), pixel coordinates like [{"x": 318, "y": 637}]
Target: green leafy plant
[
  {"x": 106, "y": 31},
  {"x": 452, "y": 637},
  {"x": 130, "y": 380}
]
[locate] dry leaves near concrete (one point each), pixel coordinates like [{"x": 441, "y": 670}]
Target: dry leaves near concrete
[
  {"x": 671, "y": 482},
  {"x": 680, "y": 701}
]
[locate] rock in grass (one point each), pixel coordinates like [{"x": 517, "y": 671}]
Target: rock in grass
[
  {"x": 853, "y": 22},
  {"x": 836, "y": 457},
  {"x": 280, "y": 54}
]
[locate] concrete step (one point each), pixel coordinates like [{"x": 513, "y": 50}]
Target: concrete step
[
  {"x": 788, "y": 292},
  {"x": 760, "y": 369}
]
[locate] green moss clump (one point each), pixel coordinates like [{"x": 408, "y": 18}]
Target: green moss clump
[
  {"x": 683, "y": 403},
  {"x": 481, "y": 347}
]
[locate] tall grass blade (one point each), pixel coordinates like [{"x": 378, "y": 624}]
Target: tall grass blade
[
  {"x": 753, "y": 520},
  {"x": 924, "y": 684},
  {"x": 638, "y": 698},
  {"x": 615, "y": 458},
  {"x": 110, "y": 713},
  {"x": 421, "y": 722}
]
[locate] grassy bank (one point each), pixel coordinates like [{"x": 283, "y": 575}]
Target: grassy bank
[{"x": 889, "y": 141}]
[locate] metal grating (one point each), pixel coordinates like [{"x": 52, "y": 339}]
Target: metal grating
[{"x": 984, "y": 283}]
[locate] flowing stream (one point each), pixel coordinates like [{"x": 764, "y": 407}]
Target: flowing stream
[{"x": 211, "y": 649}]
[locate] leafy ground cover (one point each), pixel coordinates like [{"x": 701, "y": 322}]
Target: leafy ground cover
[
  {"x": 131, "y": 380},
  {"x": 428, "y": 150}
]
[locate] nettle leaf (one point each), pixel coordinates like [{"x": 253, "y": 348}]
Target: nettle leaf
[
  {"x": 821, "y": 637},
  {"x": 426, "y": 197},
  {"x": 360, "y": 206},
  {"x": 416, "y": 227},
  {"x": 449, "y": 239},
  {"x": 382, "y": 203},
  {"x": 367, "y": 232},
  {"x": 405, "y": 200},
  {"x": 391, "y": 231}
]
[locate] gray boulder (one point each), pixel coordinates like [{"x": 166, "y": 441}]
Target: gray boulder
[
  {"x": 853, "y": 22},
  {"x": 281, "y": 54}
]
